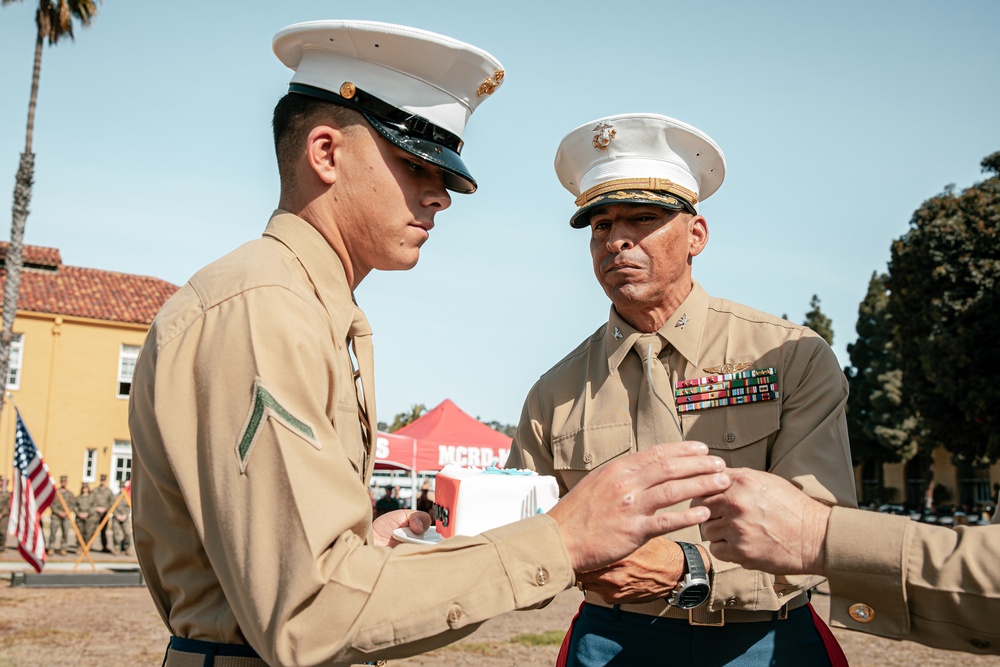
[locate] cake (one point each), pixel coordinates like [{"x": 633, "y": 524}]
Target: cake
[{"x": 469, "y": 500}]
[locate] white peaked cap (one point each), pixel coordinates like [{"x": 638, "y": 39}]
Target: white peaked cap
[
  {"x": 426, "y": 76},
  {"x": 638, "y": 158}
]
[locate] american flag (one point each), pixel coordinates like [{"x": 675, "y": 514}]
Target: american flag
[{"x": 33, "y": 493}]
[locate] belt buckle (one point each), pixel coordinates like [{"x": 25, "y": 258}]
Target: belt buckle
[
  {"x": 783, "y": 612},
  {"x": 722, "y": 619}
]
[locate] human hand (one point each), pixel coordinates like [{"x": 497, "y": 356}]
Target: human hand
[
  {"x": 383, "y": 526},
  {"x": 649, "y": 573},
  {"x": 612, "y": 511},
  {"x": 765, "y": 523}
]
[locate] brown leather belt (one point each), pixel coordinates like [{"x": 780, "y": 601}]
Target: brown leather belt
[{"x": 702, "y": 615}]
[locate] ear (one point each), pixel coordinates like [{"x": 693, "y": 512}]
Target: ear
[
  {"x": 323, "y": 152},
  {"x": 697, "y": 235}
]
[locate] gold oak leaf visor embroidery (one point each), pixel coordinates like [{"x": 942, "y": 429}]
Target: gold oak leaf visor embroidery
[{"x": 266, "y": 405}]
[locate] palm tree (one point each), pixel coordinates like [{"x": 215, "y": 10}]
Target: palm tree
[{"x": 54, "y": 20}]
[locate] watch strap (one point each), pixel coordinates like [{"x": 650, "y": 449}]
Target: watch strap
[{"x": 695, "y": 564}]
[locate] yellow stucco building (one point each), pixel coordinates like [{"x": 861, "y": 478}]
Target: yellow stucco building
[{"x": 77, "y": 334}]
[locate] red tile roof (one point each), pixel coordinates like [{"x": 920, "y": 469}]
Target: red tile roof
[{"x": 49, "y": 286}]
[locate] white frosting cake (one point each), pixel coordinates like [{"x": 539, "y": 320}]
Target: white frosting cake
[{"x": 468, "y": 501}]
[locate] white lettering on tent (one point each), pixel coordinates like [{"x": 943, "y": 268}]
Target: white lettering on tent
[
  {"x": 482, "y": 457},
  {"x": 382, "y": 448}
]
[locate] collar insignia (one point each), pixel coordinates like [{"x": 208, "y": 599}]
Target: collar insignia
[
  {"x": 605, "y": 133},
  {"x": 683, "y": 321},
  {"x": 618, "y": 334},
  {"x": 728, "y": 368}
]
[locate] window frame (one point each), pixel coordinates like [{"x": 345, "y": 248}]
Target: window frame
[
  {"x": 16, "y": 353},
  {"x": 89, "y": 465},
  {"x": 125, "y": 353}
]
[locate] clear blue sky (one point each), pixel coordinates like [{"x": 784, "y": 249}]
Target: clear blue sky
[{"x": 837, "y": 120}]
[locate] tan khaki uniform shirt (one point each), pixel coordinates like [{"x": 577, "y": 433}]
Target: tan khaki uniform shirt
[
  {"x": 895, "y": 577},
  {"x": 582, "y": 413},
  {"x": 251, "y": 512}
]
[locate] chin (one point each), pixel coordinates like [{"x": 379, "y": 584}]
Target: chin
[{"x": 399, "y": 263}]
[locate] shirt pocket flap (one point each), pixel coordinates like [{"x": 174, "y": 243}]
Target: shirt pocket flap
[
  {"x": 590, "y": 447},
  {"x": 733, "y": 427}
]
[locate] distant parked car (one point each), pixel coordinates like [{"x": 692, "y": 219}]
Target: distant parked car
[{"x": 892, "y": 509}]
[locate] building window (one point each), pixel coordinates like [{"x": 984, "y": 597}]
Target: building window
[
  {"x": 89, "y": 465},
  {"x": 973, "y": 485},
  {"x": 121, "y": 463},
  {"x": 126, "y": 366},
  {"x": 16, "y": 355}
]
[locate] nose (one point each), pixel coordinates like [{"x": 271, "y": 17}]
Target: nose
[
  {"x": 437, "y": 196},
  {"x": 619, "y": 238}
]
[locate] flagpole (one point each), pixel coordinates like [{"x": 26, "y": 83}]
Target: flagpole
[{"x": 8, "y": 455}]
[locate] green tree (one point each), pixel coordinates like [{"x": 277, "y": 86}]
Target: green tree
[
  {"x": 506, "y": 429},
  {"x": 404, "y": 418},
  {"x": 53, "y": 20},
  {"x": 945, "y": 303},
  {"x": 818, "y": 321},
  {"x": 883, "y": 426}
]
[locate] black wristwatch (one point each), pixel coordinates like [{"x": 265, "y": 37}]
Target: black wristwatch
[{"x": 695, "y": 589}]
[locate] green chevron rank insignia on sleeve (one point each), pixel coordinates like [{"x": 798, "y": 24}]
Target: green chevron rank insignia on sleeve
[{"x": 266, "y": 405}]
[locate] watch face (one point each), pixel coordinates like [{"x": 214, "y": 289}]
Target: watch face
[{"x": 692, "y": 596}]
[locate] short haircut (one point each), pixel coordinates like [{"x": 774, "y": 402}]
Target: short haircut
[{"x": 294, "y": 116}]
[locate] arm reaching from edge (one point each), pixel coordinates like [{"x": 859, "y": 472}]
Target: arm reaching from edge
[{"x": 764, "y": 522}]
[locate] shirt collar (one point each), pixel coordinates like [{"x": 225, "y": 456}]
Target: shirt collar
[
  {"x": 321, "y": 264},
  {"x": 683, "y": 331}
]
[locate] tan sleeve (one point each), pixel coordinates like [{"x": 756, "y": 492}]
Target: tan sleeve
[
  {"x": 894, "y": 577},
  {"x": 811, "y": 449},
  {"x": 281, "y": 525},
  {"x": 528, "y": 449}
]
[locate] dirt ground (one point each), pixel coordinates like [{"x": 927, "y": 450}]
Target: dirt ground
[{"x": 106, "y": 627}]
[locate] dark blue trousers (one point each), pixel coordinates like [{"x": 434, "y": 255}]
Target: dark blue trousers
[{"x": 603, "y": 636}]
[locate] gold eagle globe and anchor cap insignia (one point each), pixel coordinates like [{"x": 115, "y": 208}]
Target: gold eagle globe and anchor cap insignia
[
  {"x": 490, "y": 84},
  {"x": 605, "y": 133}
]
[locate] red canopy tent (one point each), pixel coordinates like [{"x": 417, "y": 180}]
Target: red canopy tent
[{"x": 442, "y": 436}]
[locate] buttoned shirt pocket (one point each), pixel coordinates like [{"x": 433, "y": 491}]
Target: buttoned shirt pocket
[
  {"x": 740, "y": 434},
  {"x": 587, "y": 448}
]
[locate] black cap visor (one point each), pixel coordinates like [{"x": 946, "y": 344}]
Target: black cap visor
[
  {"x": 665, "y": 200},
  {"x": 414, "y": 134}
]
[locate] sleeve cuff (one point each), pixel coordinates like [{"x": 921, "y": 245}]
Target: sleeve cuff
[
  {"x": 534, "y": 558},
  {"x": 866, "y": 555}
]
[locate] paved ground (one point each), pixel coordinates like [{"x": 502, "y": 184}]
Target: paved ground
[{"x": 120, "y": 626}]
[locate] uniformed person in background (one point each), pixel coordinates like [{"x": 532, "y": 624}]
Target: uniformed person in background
[
  {"x": 674, "y": 363},
  {"x": 388, "y": 502},
  {"x": 889, "y": 575},
  {"x": 60, "y": 528},
  {"x": 103, "y": 497},
  {"x": 122, "y": 526},
  {"x": 85, "y": 508},
  {"x": 254, "y": 435},
  {"x": 4, "y": 512}
]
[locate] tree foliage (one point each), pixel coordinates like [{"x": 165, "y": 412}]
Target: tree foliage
[
  {"x": 53, "y": 20},
  {"x": 402, "y": 419},
  {"x": 883, "y": 426},
  {"x": 818, "y": 321},
  {"x": 945, "y": 305}
]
